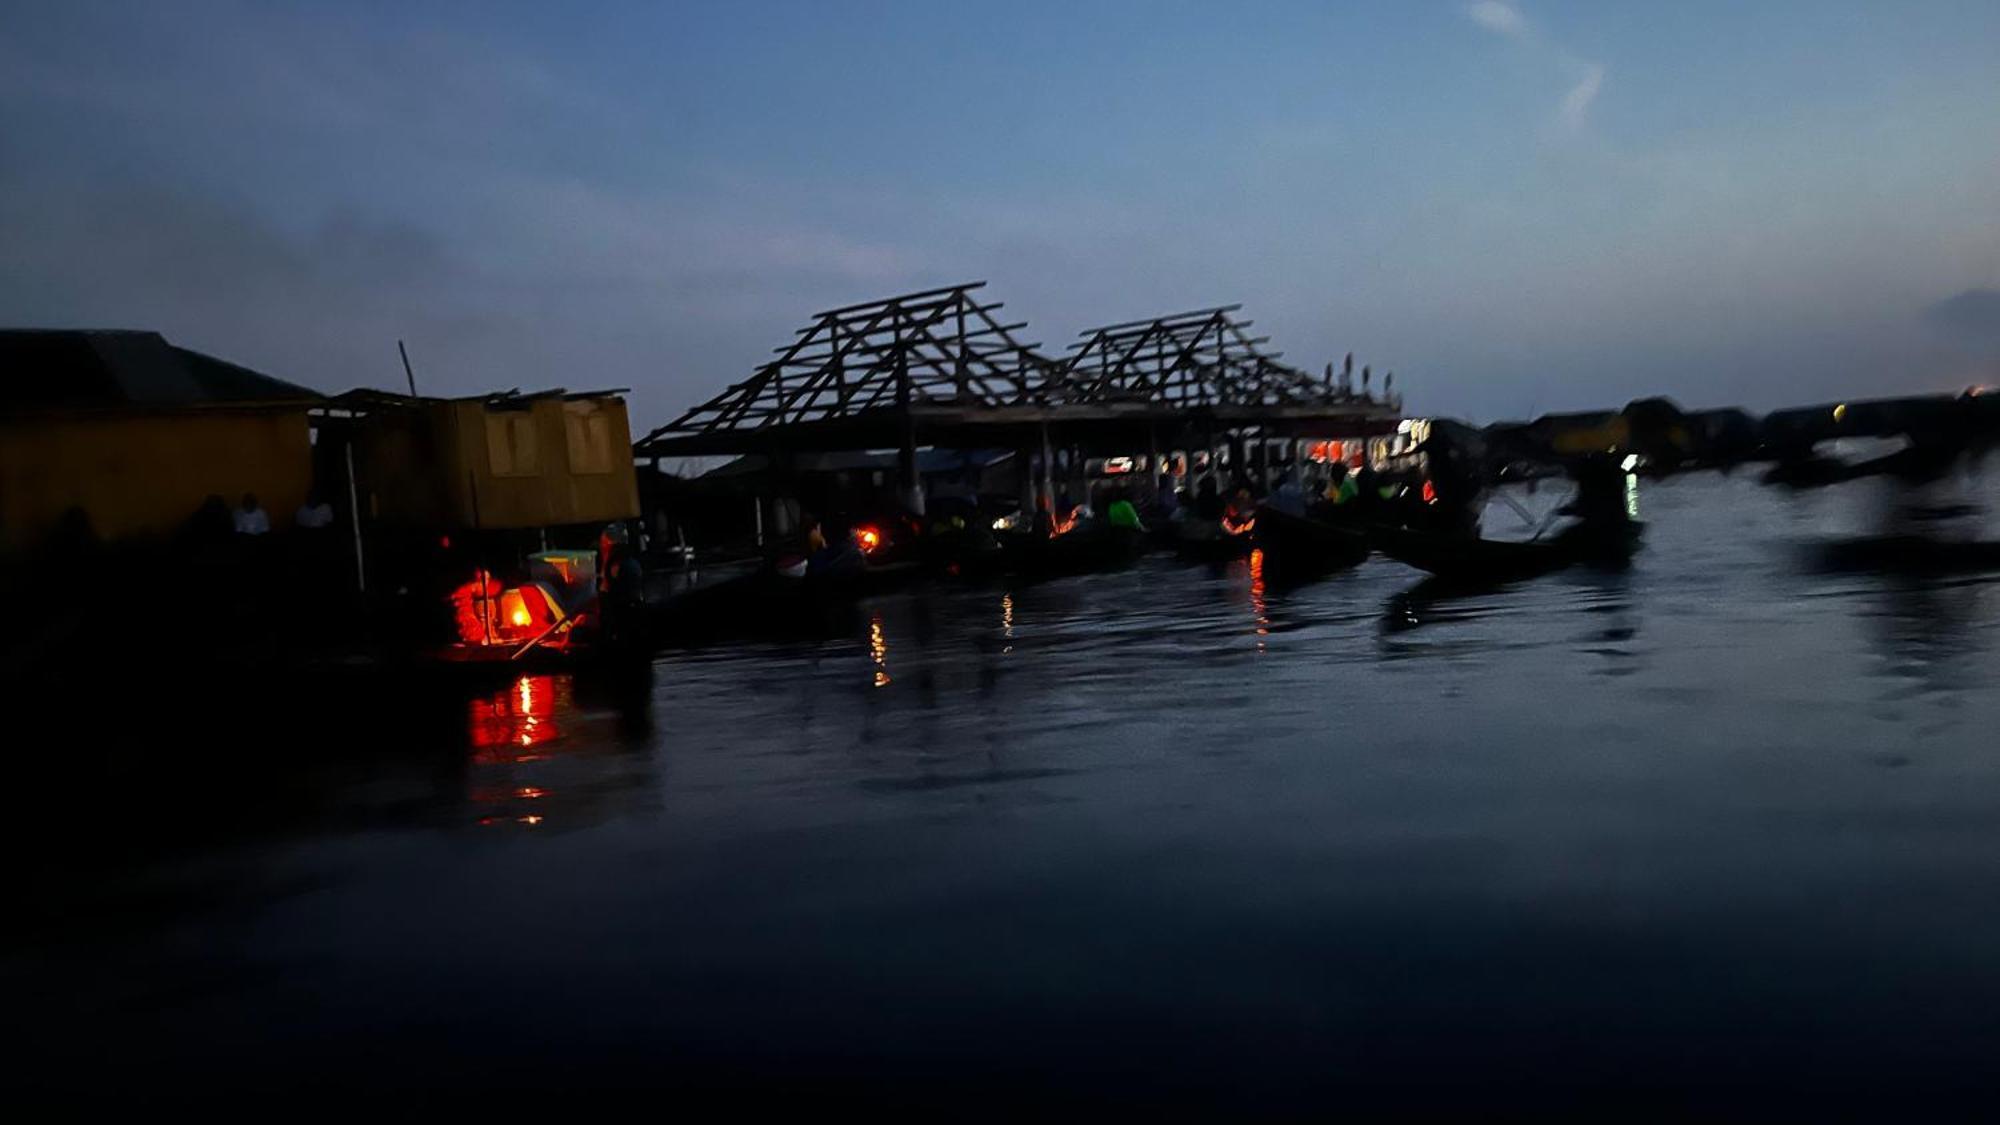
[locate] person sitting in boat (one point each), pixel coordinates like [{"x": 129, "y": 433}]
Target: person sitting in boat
[
  {"x": 1341, "y": 488},
  {"x": 620, "y": 584},
  {"x": 1455, "y": 493},
  {"x": 1068, "y": 514},
  {"x": 1207, "y": 501},
  {"x": 1290, "y": 495},
  {"x": 820, "y": 550},
  {"x": 1600, "y": 493},
  {"x": 1121, "y": 514},
  {"x": 1044, "y": 524},
  {"x": 1241, "y": 515}
]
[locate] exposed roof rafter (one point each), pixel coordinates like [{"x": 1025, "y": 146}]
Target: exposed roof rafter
[
  {"x": 868, "y": 371},
  {"x": 936, "y": 346},
  {"x": 1202, "y": 358}
]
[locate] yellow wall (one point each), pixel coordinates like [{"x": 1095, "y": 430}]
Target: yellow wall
[
  {"x": 1614, "y": 434},
  {"x": 551, "y": 463},
  {"x": 141, "y": 475}
]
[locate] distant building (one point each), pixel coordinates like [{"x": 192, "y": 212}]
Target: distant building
[{"x": 133, "y": 433}]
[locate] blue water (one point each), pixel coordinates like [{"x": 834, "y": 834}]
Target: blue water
[{"x": 1716, "y": 834}]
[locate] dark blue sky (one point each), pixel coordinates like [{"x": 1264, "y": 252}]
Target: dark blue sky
[{"x": 1519, "y": 207}]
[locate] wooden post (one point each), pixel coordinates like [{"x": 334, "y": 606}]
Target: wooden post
[
  {"x": 906, "y": 457},
  {"x": 964, "y": 367},
  {"x": 407, "y": 372},
  {"x": 354, "y": 517},
  {"x": 1153, "y": 460},
  {"x": 1048, "y": 470}
]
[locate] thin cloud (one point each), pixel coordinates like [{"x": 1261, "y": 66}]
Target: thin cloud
[
  {"x": 1506, "y": 20},
  {"x": 1494, "y": 16},
  {"x": 1576, "y": 104}
]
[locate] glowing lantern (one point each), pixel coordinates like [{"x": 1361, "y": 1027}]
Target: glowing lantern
[
  {"x": 514, "y": 609},
  {"x": 525, "y": 610},
  {"x": 869, "y": 538}
]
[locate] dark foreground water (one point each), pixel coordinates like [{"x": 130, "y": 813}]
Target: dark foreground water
[{"x": 1717, "y": 834}]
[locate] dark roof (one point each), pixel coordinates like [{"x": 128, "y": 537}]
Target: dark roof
[
  {"x": 44, "y": 369},
  {"x": 929, "y": 461}
]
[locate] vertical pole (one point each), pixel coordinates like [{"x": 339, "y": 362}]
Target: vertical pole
[
  {"x": 906, "y": 456},
  {"x": 407, "y": 372},
  {"x": 354, "y": 517},
  {"x": 964, "y": 371},
  {"x": 1048, "y": 470},
  {"x": 757, "y": 508},
  {"x": 1153, "y": 460}
]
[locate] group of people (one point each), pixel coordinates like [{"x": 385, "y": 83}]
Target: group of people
[
  {"x": 217, "y": 520},
  {"x": 1446, "y": 496},
  {"x": 1332, "y": 490}
]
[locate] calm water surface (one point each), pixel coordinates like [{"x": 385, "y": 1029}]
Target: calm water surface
[{"x": 1714, "y": 833}]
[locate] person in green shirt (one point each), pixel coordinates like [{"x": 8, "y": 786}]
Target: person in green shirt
[
  {"x": 1121, "y": 513},
  {"x": 1342, "y": 489}
]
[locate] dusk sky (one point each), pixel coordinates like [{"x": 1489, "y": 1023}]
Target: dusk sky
[{"x": 1520, "y": 207}]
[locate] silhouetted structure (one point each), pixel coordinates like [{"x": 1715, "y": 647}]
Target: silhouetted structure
[
  {"x": 937, "y": 368},
  {"x": 130, "y": 433}
]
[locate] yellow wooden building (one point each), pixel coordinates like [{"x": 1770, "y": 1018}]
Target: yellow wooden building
[
  {"x": 492, "y": 463},
  {"x": 135, "y": 433}
]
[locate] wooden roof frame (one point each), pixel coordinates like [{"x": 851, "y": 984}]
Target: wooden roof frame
[
  {"x": 1203, "y": 358},
  {"x": 933, "y": 346},
  {"x": 939, "y": 364}
]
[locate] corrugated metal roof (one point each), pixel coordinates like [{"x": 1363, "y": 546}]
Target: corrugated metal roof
[{"x": 44, "y": 368}]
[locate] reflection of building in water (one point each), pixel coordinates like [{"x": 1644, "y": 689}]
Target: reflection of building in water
[{"x": 545, "y": 751}]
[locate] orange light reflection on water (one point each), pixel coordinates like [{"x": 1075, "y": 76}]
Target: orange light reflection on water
[
  {"x": 1257, "y": 597},
  {"x": 510, "y": 729},
  {"x": 502, "y": 725},
  {"x": 878, "y": 650}
]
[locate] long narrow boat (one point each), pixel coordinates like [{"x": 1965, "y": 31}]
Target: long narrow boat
[
  {"x": 964, "y": 553},
  {"x": 1904, "y": 554},
  {"x": 1301, "y": 546},
  {"x": 1464, "y": 559},
  {"x": 1085, "y": 550},
  {"x": 770, "y": 602},
  {"x": 1207, "y": 541}
]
